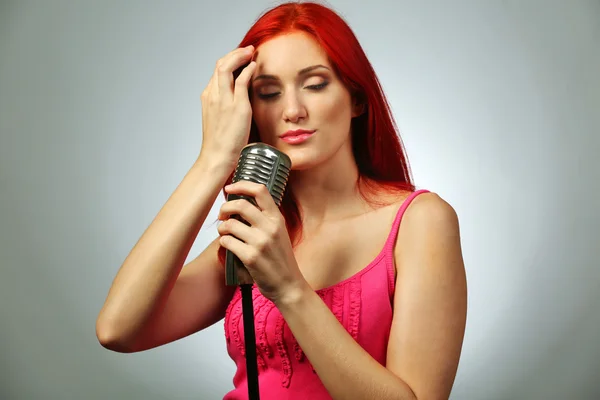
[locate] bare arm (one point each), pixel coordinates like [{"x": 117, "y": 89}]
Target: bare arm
[
  {"x": 152, "y": 301},
  {"x": 146, "y": 287},
  {"x": 430, "y": 301}
]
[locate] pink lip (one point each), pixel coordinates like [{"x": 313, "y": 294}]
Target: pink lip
[
  {"x": 297, "y": 132},
  {"x": 297, "y": 139}
]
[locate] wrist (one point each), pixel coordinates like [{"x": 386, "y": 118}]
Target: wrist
[
  {"x": 294, "y": 296},
  {"x": 215, "y": 166}
]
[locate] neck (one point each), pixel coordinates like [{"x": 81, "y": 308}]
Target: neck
[{"x": 328, "y": 193}]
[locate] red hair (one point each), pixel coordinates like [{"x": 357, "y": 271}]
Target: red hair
[{"x": 376, "y": 144}]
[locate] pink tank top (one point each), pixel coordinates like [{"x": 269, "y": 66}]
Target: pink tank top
[{"x": 362, "y": 304}]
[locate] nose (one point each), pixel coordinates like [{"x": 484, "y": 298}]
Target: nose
[{"x": 293, "y": 109}]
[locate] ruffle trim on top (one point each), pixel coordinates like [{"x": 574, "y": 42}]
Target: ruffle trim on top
[{"x": 334, "y": 297}]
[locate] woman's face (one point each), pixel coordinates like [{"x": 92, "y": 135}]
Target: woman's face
[{"x": 295, "y": 87}]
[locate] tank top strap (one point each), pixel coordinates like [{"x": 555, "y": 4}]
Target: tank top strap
[{"x": 396, "y": 225}]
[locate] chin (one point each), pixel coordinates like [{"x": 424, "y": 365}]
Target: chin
[{"x": 302, "y": 160}]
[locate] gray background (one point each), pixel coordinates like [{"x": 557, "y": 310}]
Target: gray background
[{"x": 100, "y": 119}]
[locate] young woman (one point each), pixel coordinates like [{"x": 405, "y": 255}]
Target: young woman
[{"x": 349, "y": 302}]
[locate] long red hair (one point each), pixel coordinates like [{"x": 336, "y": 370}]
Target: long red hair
[{"x": 376, "y": 144}]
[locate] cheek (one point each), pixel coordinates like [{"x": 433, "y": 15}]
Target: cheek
[{"x": 334, "y": 110}]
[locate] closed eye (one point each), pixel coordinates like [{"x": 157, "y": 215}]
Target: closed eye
[
  {"x": 311, "y": 87},
  {"x": 267, "y": 96},
  {"x": 319, "y": 86}
]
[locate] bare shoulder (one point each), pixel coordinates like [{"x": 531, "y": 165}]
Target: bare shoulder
[
  {"x": 430, "y": 208},
  {"x": 428, "y": 220}
]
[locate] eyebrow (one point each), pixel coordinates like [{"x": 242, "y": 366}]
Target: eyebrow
[{"x": 303, "y": 71}]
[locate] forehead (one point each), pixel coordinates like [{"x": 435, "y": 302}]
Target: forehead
[{"x": 289, "y": 53}]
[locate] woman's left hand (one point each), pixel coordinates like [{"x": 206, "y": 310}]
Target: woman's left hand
[{"x": 264, "y": 247}]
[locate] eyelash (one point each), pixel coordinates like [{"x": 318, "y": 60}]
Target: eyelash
[{"x": 311, "y": 87}]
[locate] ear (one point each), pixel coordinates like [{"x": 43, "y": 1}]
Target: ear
[{"x": 359, "y": 106}]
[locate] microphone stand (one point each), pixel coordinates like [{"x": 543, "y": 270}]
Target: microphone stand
[
  {"x": 236, "y": 273},
  {"x": 250, "y": 339}
]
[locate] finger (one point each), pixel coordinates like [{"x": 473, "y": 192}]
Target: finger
[
  {"x": 259, "y": 192},
  {"x": 208, "y": 88},
  {"x": 242, "y": 208},
  {"x": 237, "y": 247},
  {"x": 229, "y": 63},
  {"x": 238, "y": 229},
  {"x": 242, "y": 82}
]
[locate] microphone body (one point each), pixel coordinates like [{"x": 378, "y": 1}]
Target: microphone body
[{"x": 258, "y": 163}]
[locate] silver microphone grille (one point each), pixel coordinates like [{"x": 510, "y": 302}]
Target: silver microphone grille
[{"x": 261, "y": 163}]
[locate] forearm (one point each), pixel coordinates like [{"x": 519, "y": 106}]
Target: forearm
[
  {"x": 344, "y": 367},
  {"x": 150, "y": 270}
]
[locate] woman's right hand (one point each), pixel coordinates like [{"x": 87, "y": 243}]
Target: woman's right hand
[{"x": 226, "y": 110}]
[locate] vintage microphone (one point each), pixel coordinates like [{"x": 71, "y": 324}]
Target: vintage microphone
[{"x": 259, "y": 163}]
